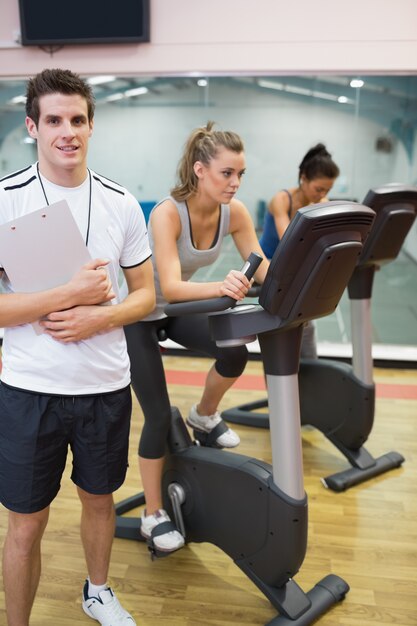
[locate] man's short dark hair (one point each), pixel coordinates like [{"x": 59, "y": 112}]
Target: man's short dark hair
[{"x": 56, "y": 81}]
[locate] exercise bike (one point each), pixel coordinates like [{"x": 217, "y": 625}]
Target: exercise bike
[
  {"x": 257, "y": 513},
  {"x": 337, "y": 398}
]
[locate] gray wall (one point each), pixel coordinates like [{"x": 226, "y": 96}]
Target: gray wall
[{"x": 139, "y": 146}]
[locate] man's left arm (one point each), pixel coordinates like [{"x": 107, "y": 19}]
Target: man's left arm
[
  {"x": 82, "y": 322},
  {"x": 141, "y": 299}
]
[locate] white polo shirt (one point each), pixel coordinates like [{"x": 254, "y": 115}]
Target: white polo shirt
[{"x": 117, "y": 232}]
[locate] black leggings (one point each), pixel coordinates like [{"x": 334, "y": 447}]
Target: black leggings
[{"x": 147, "y": 370}]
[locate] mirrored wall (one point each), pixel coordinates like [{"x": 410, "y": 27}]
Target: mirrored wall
[{"x": 368, "y": 124}]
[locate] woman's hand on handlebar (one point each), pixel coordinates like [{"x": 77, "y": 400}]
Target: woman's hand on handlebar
[{"x": 235, "y": 285}]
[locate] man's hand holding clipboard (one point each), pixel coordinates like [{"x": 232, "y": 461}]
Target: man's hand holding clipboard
[
  {"x": 93, "y": 286},
  {"x": 44, "y": 249}
]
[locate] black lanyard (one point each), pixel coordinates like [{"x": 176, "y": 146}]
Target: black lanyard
[{"x": 89, "y": 200}]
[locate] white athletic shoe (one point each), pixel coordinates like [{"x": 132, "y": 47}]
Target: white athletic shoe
[
  {"x": 206, "y": 423},
  {"x": 167, "y": 541},
  {"x": 106, "y": 608}
]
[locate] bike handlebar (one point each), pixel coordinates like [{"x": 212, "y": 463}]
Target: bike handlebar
[{"x": 212, "y": 305}]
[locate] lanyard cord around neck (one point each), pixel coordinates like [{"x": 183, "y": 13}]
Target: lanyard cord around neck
[{"x": 89, "y": 200}]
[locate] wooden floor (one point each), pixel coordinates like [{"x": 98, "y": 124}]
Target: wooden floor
[{"x": 367, "y": 535}]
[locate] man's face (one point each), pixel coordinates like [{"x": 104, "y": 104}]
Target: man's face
[{"x": 62, "y": 134}]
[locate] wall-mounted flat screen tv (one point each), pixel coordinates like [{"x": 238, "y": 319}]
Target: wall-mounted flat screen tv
[{"x": 51, "y": 23}]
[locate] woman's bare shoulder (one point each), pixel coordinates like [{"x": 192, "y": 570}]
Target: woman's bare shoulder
[{"x": 280, "y": 202}]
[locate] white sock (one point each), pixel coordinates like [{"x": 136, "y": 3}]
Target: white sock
[{"x": 94, "y": 590}]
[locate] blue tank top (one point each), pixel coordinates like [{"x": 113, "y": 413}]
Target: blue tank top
[{"x": 269, "y": 239}]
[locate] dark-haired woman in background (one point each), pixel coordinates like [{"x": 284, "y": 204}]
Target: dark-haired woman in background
[{"x": 317, "y": 173}]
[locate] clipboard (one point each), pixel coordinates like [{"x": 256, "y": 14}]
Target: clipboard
[{"x": 42, "y": 249}]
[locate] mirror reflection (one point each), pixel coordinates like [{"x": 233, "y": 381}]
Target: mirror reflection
[{"x": 367, "y": 123}]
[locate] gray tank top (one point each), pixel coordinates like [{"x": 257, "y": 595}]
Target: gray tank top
[{"x": 191, "y": 259}]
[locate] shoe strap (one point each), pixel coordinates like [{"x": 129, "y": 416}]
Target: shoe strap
[
  {"x": 210, "y": 439},
  {"x": 162, "y": 529}
]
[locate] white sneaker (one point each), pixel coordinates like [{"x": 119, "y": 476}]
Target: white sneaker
[
  {"x": 166, "y": 538},
  {"x": 106, "y": 608},
  {"x": 206, "y": 423}
]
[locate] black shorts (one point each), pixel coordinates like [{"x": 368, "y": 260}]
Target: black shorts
[{"x": 35, "y": 432}]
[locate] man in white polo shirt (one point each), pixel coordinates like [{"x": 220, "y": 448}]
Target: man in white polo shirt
[{"x": 68, "y": 386}]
